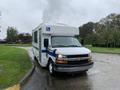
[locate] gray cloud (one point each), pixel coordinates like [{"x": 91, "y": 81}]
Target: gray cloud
[{"x": 27, "y": 14}]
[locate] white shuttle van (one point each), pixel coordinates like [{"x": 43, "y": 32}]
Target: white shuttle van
[{"x": 55, "y": 47}]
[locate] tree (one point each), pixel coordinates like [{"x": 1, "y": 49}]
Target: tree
[
  {"x": 24, "y": 38},
  {"x": 12, "y": 35},
  {"x": 85, "y": 31},
  {"x": 108, "y": 30},
  {"x": 105, "y": 33}
]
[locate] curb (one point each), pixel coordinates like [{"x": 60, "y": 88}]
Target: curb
[
  {"x": 29, "y": 73},
  {"x": 27, "y": 76},
  {"x": 24, "y": 79},
  {"x": 15, "y": 87}
]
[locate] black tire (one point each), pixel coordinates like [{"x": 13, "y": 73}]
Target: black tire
[
  {"x": 51, "y": 68},
  {"x": 84, "y": 72},
  {"x": 35, "y": 61},
  {"x": 35, "y": 58}
]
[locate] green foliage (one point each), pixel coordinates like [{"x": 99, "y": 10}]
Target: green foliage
[
  {"x": 86, "y": 29},
  {"x": 12, "y": 35},
  {"x": 14, "y": 64},
  {"x": 104, "y": 49},
  {"x": 105, "y": 33},
  {"x": 24, "y": 38}
]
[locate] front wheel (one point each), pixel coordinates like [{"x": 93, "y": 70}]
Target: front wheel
[{"x": 51, "y": 68}]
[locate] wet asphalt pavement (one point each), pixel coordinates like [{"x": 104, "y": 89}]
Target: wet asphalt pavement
[{"x": 105, "y": 75}]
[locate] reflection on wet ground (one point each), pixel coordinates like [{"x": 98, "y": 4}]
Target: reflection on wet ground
[
  {"x": 42, "y": 80},
  {"x": 105, "y": 75}
]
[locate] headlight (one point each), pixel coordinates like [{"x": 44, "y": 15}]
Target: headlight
[
  {"x": 61, "y": 56},
  {"x": 61, "y": 59},
  {"x": 90, "y": 56}
]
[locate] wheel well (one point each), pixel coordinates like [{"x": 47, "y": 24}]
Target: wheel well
[
  {"x": 35, "y": 57},
  {"x": 49, "y": 59}
]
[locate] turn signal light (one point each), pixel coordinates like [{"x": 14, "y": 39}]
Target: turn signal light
[{"x": 61, "y": 62}]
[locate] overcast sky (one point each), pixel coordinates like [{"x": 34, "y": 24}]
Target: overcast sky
[{"x": 25, "y": 15}]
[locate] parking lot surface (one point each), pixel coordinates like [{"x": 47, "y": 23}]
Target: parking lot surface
[{"x": 105, "y": 75}]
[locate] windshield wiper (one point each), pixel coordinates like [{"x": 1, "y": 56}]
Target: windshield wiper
[
  {"x": 59, "y": 46},
  {"x": 73, "y": 46}
]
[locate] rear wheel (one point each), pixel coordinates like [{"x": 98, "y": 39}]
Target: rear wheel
[
  {"x": 34, "y": 58},
  {"x": 35, "y": 61},
  {"x": 51, "y": 68}
]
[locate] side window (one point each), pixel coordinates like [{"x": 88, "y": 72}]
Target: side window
[{"x": 35, "y": 37}]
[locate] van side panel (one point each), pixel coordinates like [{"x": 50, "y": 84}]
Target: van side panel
[
  {"x": 35, "y": 44},
  {"x": 44, "y": 55}
]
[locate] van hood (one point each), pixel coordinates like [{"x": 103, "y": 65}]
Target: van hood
[{"x": 72, "y": 50}]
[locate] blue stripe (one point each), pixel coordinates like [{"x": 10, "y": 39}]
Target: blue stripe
[{"x": 50, "y": 53}]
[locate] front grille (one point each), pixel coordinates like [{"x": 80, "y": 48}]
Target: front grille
[
  {"x": 76, "y": 56},
  {"x": 78, "y": 62},
  {"x": 78, "y": 59}
]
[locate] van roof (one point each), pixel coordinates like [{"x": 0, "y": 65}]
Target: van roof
[
  {"x": 50, "y": 24},
  {"x": 57, "y": 29}
]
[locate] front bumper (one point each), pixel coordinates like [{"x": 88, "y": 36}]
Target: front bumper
[{"x": 72, "y": 68}]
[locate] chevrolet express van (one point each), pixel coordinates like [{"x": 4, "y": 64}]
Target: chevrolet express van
[{"x": 55, "y": 47}]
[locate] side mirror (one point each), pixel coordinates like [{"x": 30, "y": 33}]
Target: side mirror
[{"x": 46, "y": 43}]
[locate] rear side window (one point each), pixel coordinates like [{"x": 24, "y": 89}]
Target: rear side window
[{"x": 35, "y": 37}]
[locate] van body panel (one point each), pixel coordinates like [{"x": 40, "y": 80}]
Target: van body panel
[
  {"x": 72, "y": 50},
  {"x": 73, "y": 68}
]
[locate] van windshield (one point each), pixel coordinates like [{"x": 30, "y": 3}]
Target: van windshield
[{"x": 65, "y": 41}]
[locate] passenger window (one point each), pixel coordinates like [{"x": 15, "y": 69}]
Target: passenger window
[{"x": 35, "y": 37}]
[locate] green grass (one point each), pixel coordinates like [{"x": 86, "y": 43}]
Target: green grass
[
  {"x": 14, "y": 64},
  {"x": 23, "y": 45},
  {"x": 104, "y": 50}
]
